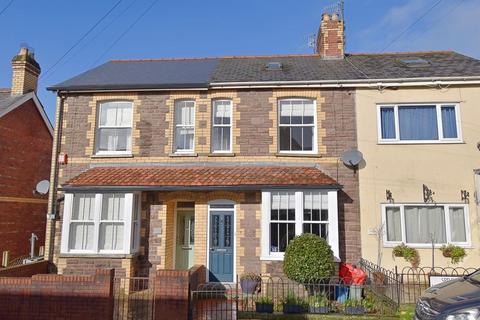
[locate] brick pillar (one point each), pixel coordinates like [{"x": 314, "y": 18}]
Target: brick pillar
[{"x": 172, "y": 294}]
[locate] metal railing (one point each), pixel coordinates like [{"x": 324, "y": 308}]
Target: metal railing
[
  {"x": 281, "y": 295},
  {"x": 133, "y": 298}
]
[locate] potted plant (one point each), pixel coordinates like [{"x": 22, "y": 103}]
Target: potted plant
[
  {"x": 250, "y": 283},
  {"x": 409, "y": 254},
  {"x": 294, "y": 304},
  {"x": 354, "y": 306},
  {"x": 264, "y": 304},
  {"x": 398, "y": 250},
  {"x": 319, "y": 304},
  {"x": 455, "y": 253}
]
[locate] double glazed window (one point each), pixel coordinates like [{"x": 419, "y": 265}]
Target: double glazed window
[
  {"x": 297, "y": 125},
  {"x": 286, "y": 214},
  {"x": 101, "y": 223},
  {"x": 184, "y": 126},
  {"x": 222, "y": 126},
  {"x": 114, "y": 127},
  {"x": 422, "y": 224},
  {"x": 418, "y": 123}
]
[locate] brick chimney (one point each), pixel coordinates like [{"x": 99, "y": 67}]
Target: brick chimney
[
  {"x": 331, "y": 37},
  {"x": 25, "y": 72}
]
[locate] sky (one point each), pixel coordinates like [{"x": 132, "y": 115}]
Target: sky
[{"x": 58, "y": 30}]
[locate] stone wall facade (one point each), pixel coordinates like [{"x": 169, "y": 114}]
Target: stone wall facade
[{"x": 255, "y": 140}]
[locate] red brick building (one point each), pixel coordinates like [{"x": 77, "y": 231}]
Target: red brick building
[{"x": 26, "y": 137}]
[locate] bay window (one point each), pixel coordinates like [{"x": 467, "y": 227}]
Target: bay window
[
  {"x": 419, "y": 123},
  {"x": 222, "y": 126},
  {"x": 184, "y": 126},
  {"x": 419, "y": 225},
  {"x": 101, "y": 223},
  {"x": 297, "y": 126},
  {"x": 289, "y": 213},
  {"x": 114, "y": 128}
]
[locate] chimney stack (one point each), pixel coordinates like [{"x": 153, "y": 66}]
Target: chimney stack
[
  {"x": 331, "y": 37},
  {"x": 25, "y": 72}
]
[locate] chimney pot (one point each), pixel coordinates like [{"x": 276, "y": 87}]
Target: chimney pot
[
  {"x": 334, "y": 17},
  {"x": 25, "y": 72},
  {"x": 325, "y": 17}
]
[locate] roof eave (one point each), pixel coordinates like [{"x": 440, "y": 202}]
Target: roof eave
[
  {"x": 73, "y": 188},
  {"x": 139, "y": 87}
]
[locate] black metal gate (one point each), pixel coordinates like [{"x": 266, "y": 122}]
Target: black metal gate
[{"x": 133, "y": 298}]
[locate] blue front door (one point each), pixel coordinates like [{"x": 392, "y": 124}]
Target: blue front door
[{"x": 221, "y": 246}]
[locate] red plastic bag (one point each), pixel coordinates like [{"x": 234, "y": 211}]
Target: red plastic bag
[
  {"x": 346, "y": 272},
  {"x": 358, "y": 276}
]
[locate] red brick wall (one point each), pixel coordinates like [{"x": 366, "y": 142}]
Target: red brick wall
[
  {"x": 25, "y": 270},
  {"x": 57, "y": 297},
  {"x": 25, "y": 153},
  {"x": 172, "y": 294}
]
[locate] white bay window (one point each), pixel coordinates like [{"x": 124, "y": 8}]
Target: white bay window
[
  {"x": 420, "y": 224},
  {"x": 102, "y": 223},
  {"x": 289, "y": 213}
]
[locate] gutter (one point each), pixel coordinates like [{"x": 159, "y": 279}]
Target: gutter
[{"x": 195, "y": 188}]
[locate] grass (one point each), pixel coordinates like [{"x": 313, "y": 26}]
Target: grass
[{"x": 406, "y": 312}]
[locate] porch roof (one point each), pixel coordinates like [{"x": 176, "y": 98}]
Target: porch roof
[{"x": 201, "y": 178}]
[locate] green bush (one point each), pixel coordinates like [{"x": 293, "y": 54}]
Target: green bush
[{"x": 308, "y": 259}]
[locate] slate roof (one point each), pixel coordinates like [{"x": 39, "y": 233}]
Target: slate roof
[
  {"x": 205, "y": 177},
  {"x": 6, "y": 100},
  {"x": 203, "y": 72}
]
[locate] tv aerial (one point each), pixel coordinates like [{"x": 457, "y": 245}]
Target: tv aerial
[
  {"x": 352, "y": 159},
  {"x": 42, "y": 187}
]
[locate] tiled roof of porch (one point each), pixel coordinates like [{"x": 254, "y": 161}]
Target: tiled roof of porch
[{"x": 201, "y": 178}]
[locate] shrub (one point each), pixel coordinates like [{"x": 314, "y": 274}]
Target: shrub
[
  {"x": 251, "y": 276},
  {"x": 308, "y": 259},
  {"x": 264, "y": 300},
  {"x": 409, "y": 254}
]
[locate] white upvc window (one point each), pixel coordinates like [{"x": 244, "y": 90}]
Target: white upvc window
[
  {"x": 289, "y": 213},
  {"x": 114, "y": 128},
  {"x": 418, "y": 225},
  {"x": 184, "y": 126},
  {"x": 222, "y": 126},
  {"x": 297, "y": 126},
  {"x": 419, "y": 123},
  {"x": 102, "y": 223}
]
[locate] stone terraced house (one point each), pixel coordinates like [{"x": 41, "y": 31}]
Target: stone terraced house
[{"x": 170, "y": 163}]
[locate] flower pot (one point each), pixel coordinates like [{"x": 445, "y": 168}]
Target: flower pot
[
  {"x": 264, "y": 307},
  {"x": 447, "y": 253},
  {"x": 249, "y": 286},
  {"x": 292, "y": 308},
  {"x": 354, "y": 310},
  {"x": 319, "y": 310}
]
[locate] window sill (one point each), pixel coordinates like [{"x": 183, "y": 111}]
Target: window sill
[
  {"x": 180, "y": 155},
  {"x": 220, "y": 154},
  {"x": 112, "y": 155},
  {"x": 301, "y": 155},
  {"x": 99, "y": 255},
  {"x": 271, "y": 258},
  {"x": 407, "y": 142}
]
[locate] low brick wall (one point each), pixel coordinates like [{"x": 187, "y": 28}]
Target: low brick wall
[
  {"x": 25, "y": 270},
  {"x": 51, "y": 296},
  {"x": 198, "y": 276},
  {"x": 172, "y": 294}
]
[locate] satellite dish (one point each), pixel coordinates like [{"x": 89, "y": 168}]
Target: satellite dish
[
  {"x": 352, "y": 158},
  {"x": 43, "y": 187}
]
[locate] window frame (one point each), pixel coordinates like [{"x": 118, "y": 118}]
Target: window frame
[
  {"x": 222, "y": 126},
  {"x": 175, "y": 126},
  {"x": 438, "y": 106},
  {"x": 447, "y": 206},
  {"x": 128, "y": 234},
  {"x": 98, "y": 129},
  {"x": 333, "y": 234},
  {"x": 314, "y": 125}
]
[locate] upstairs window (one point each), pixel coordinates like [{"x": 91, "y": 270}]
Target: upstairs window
[
  {"x": 222, "y": 126},
  {"x": 184, "y": 126},
  {"x": 114, "y": 131},
  {"x": 418, "y": 123},
  {"x": 297, "y": 126}
]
